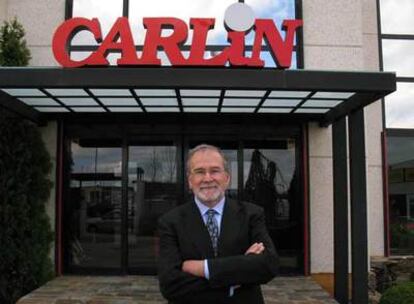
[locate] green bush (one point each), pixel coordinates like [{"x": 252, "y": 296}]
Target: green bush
[
  {"x": 399, "y": 294},
  {"x": 13, "y": 49},
  {"x": 25, "y": 232}
]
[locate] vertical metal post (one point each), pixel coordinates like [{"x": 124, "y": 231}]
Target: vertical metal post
[
  {"x": 59, "y": 198},
  {"x": 340, "y": 183},
  {"x": 124, "y": 208},
  {"x": 359, "y": 229}
]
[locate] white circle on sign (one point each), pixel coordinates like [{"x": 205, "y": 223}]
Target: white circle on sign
[{"x": 239, "y": 17}]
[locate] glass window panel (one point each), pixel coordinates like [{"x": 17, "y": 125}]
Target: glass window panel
[
  {"x": 79, "y": 101},
  {"x": 401, "y": 196},
  {"x": 93, "y": 207},
  {"x": 399, "y": 107},
  {"x": 398, "y": 56},
  {"x": 154, "y": 92},
  {"x": 159, "y": 101},
  {"x": 337, "y": 95},
  {"x": 281, "y": 102},
  {"x": 24, "y": 92},
  {"x": 312, "y": 111},
  {"x": 111, "y": 92},
  {"x": 207, "y": 93},
  {"x": 200, "y": 101},
  {"x": 183, "y": 9},
  {"x": 107, "y": 11},
  {"x": 82, "y": 55},
  {"x": 67, "y": 92},
  {"x": 200, "y": 109},
  {"x": 275, "y": 110},
  {"x": 293, "y": 94},
  {"x": 397, "y": 16},
  {"x": 244, "y": 93},
  {"x": 118, "y": 101},
  {"x": 238, "y": 110},
  {"x": 152, "y": 191},
  {"x": 125, "y": 109},
  {"x": 271, "y": 180},
  {"x": 240, "y": 102},
  {"x": 276, "y": 10},
  {"x": 51, "y": 109},
  {"x": 162, "y": 109},
  {"x": 39, "y": 101},
  {"x": 321, "y": 103},
  {"x": 88, "y": 109}
]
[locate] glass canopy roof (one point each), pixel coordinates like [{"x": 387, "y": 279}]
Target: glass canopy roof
[
  {"x": 178, "y": 100},
  {"x": 312, "y": 95}
]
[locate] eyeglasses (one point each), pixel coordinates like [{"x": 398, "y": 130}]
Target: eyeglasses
[{"x": 214, "y": 172}]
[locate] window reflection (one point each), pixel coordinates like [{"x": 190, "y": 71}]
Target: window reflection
[
  {"x": 107, "y": 11},
  {"x": 401, "y": 194},
  {"x": 397, "y": 16},
  {"x": 152, "y": 191},
  {"x": 270, "y": 181},
  {"x": 398, "y": 105},
  {"x": 183, "y": 9},
  {"x": 93, "y": 207},
  {"x": 397, "y": 55}
]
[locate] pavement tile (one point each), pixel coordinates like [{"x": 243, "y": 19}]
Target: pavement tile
[{"x": 145, "y": 290}]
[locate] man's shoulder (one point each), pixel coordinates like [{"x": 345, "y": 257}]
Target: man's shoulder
[
  {"x": 175, "y": 213},
  {"x": 245, "y": 206}
]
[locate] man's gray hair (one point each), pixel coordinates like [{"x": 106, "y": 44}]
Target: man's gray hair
[{"x": 204, "y": 147}]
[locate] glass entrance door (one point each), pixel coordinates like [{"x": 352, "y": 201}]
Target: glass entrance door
[
  {"x": 93, "y": 208},
  {"x": 117, "y": 189},
  {"x": 152, "y": 191}
]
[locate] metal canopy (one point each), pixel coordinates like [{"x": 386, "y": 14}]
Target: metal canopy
[{"x": 322, "y": 96}]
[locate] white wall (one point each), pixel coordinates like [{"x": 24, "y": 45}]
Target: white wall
[
  {"x": 40, "y": 18},
  {"x": 341, "y": 35},
  {"x": 3, "y": 10}
]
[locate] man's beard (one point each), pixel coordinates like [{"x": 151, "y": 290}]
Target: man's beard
[{"x": 213, "y": 194}]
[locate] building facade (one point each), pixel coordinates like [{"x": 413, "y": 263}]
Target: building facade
[{"x": 117, "y": 177}]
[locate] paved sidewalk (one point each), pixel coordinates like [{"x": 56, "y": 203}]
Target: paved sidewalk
[{"x": 144, "y": 290}]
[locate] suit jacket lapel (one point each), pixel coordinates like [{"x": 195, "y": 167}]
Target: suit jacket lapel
[
  {"x": 197, "y": 231},
  {"x": 231, "y": 224}
]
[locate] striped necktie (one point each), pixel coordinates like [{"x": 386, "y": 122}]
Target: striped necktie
[{"x": 212, "y": 228}]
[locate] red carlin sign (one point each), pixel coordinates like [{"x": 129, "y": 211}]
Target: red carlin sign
[{"x": 120, "y": 39}]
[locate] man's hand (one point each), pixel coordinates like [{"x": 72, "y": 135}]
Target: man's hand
[
  {"x": 194, "y": 267},
  {"x": 256, "y": 248}
]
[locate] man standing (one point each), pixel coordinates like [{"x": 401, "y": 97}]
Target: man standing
[{"x": 213, "y": 249}]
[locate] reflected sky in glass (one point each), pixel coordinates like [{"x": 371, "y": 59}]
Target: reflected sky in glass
[
  {"x": 399, "y": 107},
  {"x": 397, "y": 16},
  {"x": 400, "y": 149},
  {"x": 398, "y": 56},
  {"x": 108, "y": 10}
]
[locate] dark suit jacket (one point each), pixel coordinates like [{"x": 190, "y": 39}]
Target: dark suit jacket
[{"x": 184, "y": 236}]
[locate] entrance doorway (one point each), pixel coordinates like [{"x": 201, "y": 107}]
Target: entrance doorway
[{"x": 118, "y": 186}]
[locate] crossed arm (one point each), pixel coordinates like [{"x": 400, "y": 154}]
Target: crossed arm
[{"x": 196, "y": 267}]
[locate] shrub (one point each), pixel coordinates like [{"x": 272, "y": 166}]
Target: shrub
[
  {"x": 25, "y": 232},
  {"x": 13, "y": 49},
  {"x": 399, "y": 294}
]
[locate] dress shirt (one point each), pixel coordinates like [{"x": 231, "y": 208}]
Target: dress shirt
[{"x": 218, "y": 216}]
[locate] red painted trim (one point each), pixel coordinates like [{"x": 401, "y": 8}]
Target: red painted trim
[
  {"x": 387, "y": 236},
  {"x": 59, "y": 200},
  {"x": 305, "y": 174}
]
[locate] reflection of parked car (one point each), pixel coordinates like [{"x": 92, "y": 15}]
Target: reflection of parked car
[{"x": 108, "y": 223}]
